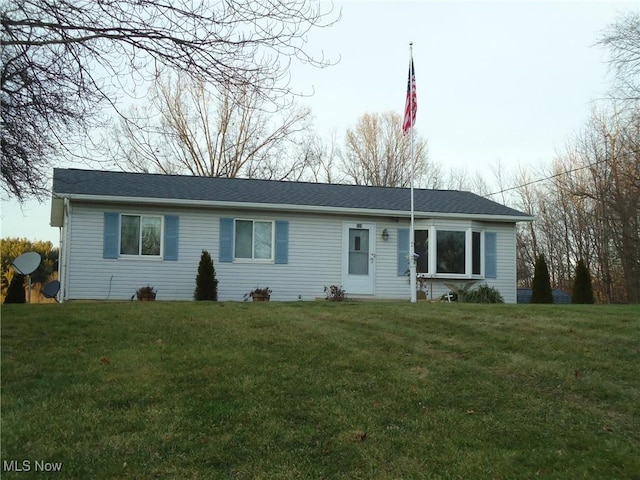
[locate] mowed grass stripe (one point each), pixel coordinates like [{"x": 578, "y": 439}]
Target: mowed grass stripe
[{"x": 322, "y": 390}]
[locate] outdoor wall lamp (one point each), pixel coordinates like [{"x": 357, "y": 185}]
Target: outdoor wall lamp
[{"x": 385, "y": 234}]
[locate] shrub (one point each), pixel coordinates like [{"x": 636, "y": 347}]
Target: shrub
[
  {"x": 15, "y": 292},
  {"x": 11, "y": 248},
  {"x": 146, "y": 293},
  {"x": 582, "y": 288},
  {"x": 541, "y": 288},
  {"x": 206, "y": 283},
  {"x": 483, "y": 294},
  {"x": 335, "y": 293}
]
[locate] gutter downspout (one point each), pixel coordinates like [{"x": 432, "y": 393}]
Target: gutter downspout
[{"x": 65, "y": 236}]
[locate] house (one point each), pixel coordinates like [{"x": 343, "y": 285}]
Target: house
[{"x": 121, "y": 231}]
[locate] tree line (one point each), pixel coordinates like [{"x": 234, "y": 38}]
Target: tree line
[
  {"x": 588, "y": 206},
  {"x": 588, "y": 209}
]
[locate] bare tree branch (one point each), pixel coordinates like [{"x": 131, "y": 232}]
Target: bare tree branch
[
  {"x": 187, "y": 128},
  {"x": 622, "y": 39},
  {"x": 377, "y": 153},
  {"x": 63, "y": 60}
]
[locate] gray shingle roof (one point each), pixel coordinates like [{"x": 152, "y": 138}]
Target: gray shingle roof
[{"x": 252, "y": 191}]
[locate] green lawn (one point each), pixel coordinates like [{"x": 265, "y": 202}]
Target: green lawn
[{"x": 320, "y": 390}]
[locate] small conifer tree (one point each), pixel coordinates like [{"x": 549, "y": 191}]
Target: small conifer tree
[
  {"x": 582, "y": 287},
  {"x": 15, "y": 291},
  {"x": 206, "y": 283},
  {"x": 541, "y": 288}
]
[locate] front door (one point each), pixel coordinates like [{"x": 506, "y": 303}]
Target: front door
[{"x": 358, "y": 258}]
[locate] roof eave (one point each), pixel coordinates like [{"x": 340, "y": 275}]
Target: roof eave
[{"x": 288, "y": 207}]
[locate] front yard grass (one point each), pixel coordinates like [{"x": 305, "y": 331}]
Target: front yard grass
[{"x": 320, "y": 390}]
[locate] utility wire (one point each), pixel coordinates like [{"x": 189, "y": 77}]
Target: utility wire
[{"x": 556, "y": 175}]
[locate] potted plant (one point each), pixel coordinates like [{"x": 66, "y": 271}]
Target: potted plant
[
  {"x": 335, "y": 293},
  {"x": 259, "y": 294},
  {"x": 146, "y": 294}
]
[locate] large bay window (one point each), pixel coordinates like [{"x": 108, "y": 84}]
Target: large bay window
[{"x": 449, "y": 253}]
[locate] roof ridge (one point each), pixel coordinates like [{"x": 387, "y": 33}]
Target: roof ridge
[{"x": 285, "y": 181}]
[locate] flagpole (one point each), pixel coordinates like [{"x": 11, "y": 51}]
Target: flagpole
[{"x": 412, "y": 256}]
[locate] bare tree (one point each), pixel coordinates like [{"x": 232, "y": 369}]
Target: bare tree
[
  {"x": 622, "y": 39},
  {"x": 187, "y": 128},
  {"x": 320, "y": 155},
  {"x": 62, "y": 60},
  {"x": 526, "y": 199},
  {"x": 377, "y": 153},
  {"x": 589, "y": 208},
  {"x": 622, "y": 167},
  {"x": 463, "y": 179},
  {"x": 587, "y": 205}
]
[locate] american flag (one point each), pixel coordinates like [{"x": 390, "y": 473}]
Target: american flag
[{"x": 411, "y": 105}]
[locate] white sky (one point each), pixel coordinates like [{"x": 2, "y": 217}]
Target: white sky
[{"x": 496, "y": 81}]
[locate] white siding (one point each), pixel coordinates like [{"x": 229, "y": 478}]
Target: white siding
[
  {"x": 314, "y": 261},
  {"x": 315, "y": 257},
  {"x": 506, "y": 278},
  {"x": 388, "y": 283}
]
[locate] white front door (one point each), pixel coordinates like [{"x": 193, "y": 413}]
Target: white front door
[{"x": 358, "y": 258}]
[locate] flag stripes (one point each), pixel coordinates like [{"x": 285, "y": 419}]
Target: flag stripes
[{"x": 411, "y": 105}]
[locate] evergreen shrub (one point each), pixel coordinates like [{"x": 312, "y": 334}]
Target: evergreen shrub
[
  {"x": 206, "y": 283},
  {"x": 582, "y": 287},
  {"x": 541, "y": 288},
  {"x": 15, "y": 292}
]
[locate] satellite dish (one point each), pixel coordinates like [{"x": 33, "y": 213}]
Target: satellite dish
[{"x": 27, "y": 263}]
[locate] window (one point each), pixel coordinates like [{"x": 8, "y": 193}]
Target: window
[
  {"x": 450, "y": 251},
  {"x": 145, "y": 236},
  {"x": 421, "y": 247},
  {"x": 465, "y": 253},
  {"x": 245, "y": 240},
  {"x": 253, "y": 240},
  {"x": 140, "y": 235},
  {"x": 476, "y": 268},
  {"x": 358, "y": 251}
]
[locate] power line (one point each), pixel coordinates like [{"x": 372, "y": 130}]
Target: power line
[{"x": 556, "y": 175}]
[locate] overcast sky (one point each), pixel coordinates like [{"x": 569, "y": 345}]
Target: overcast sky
[{"x": 496, "y": 81}]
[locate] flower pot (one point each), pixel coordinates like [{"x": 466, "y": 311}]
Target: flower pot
[
  {"x": 260, "y": 297},
  {"x": 147, "y": 297}
]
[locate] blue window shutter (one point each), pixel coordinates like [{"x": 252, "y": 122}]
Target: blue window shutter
[
  {"x": 226, "y": 240},
  {"x": 111, "y": 234},
  {"x": 403, "y": 251},
  {"x": 282, "y": 241},
  {"x": 171, "y": 237},
  {"x": 490, "y": 255}
]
